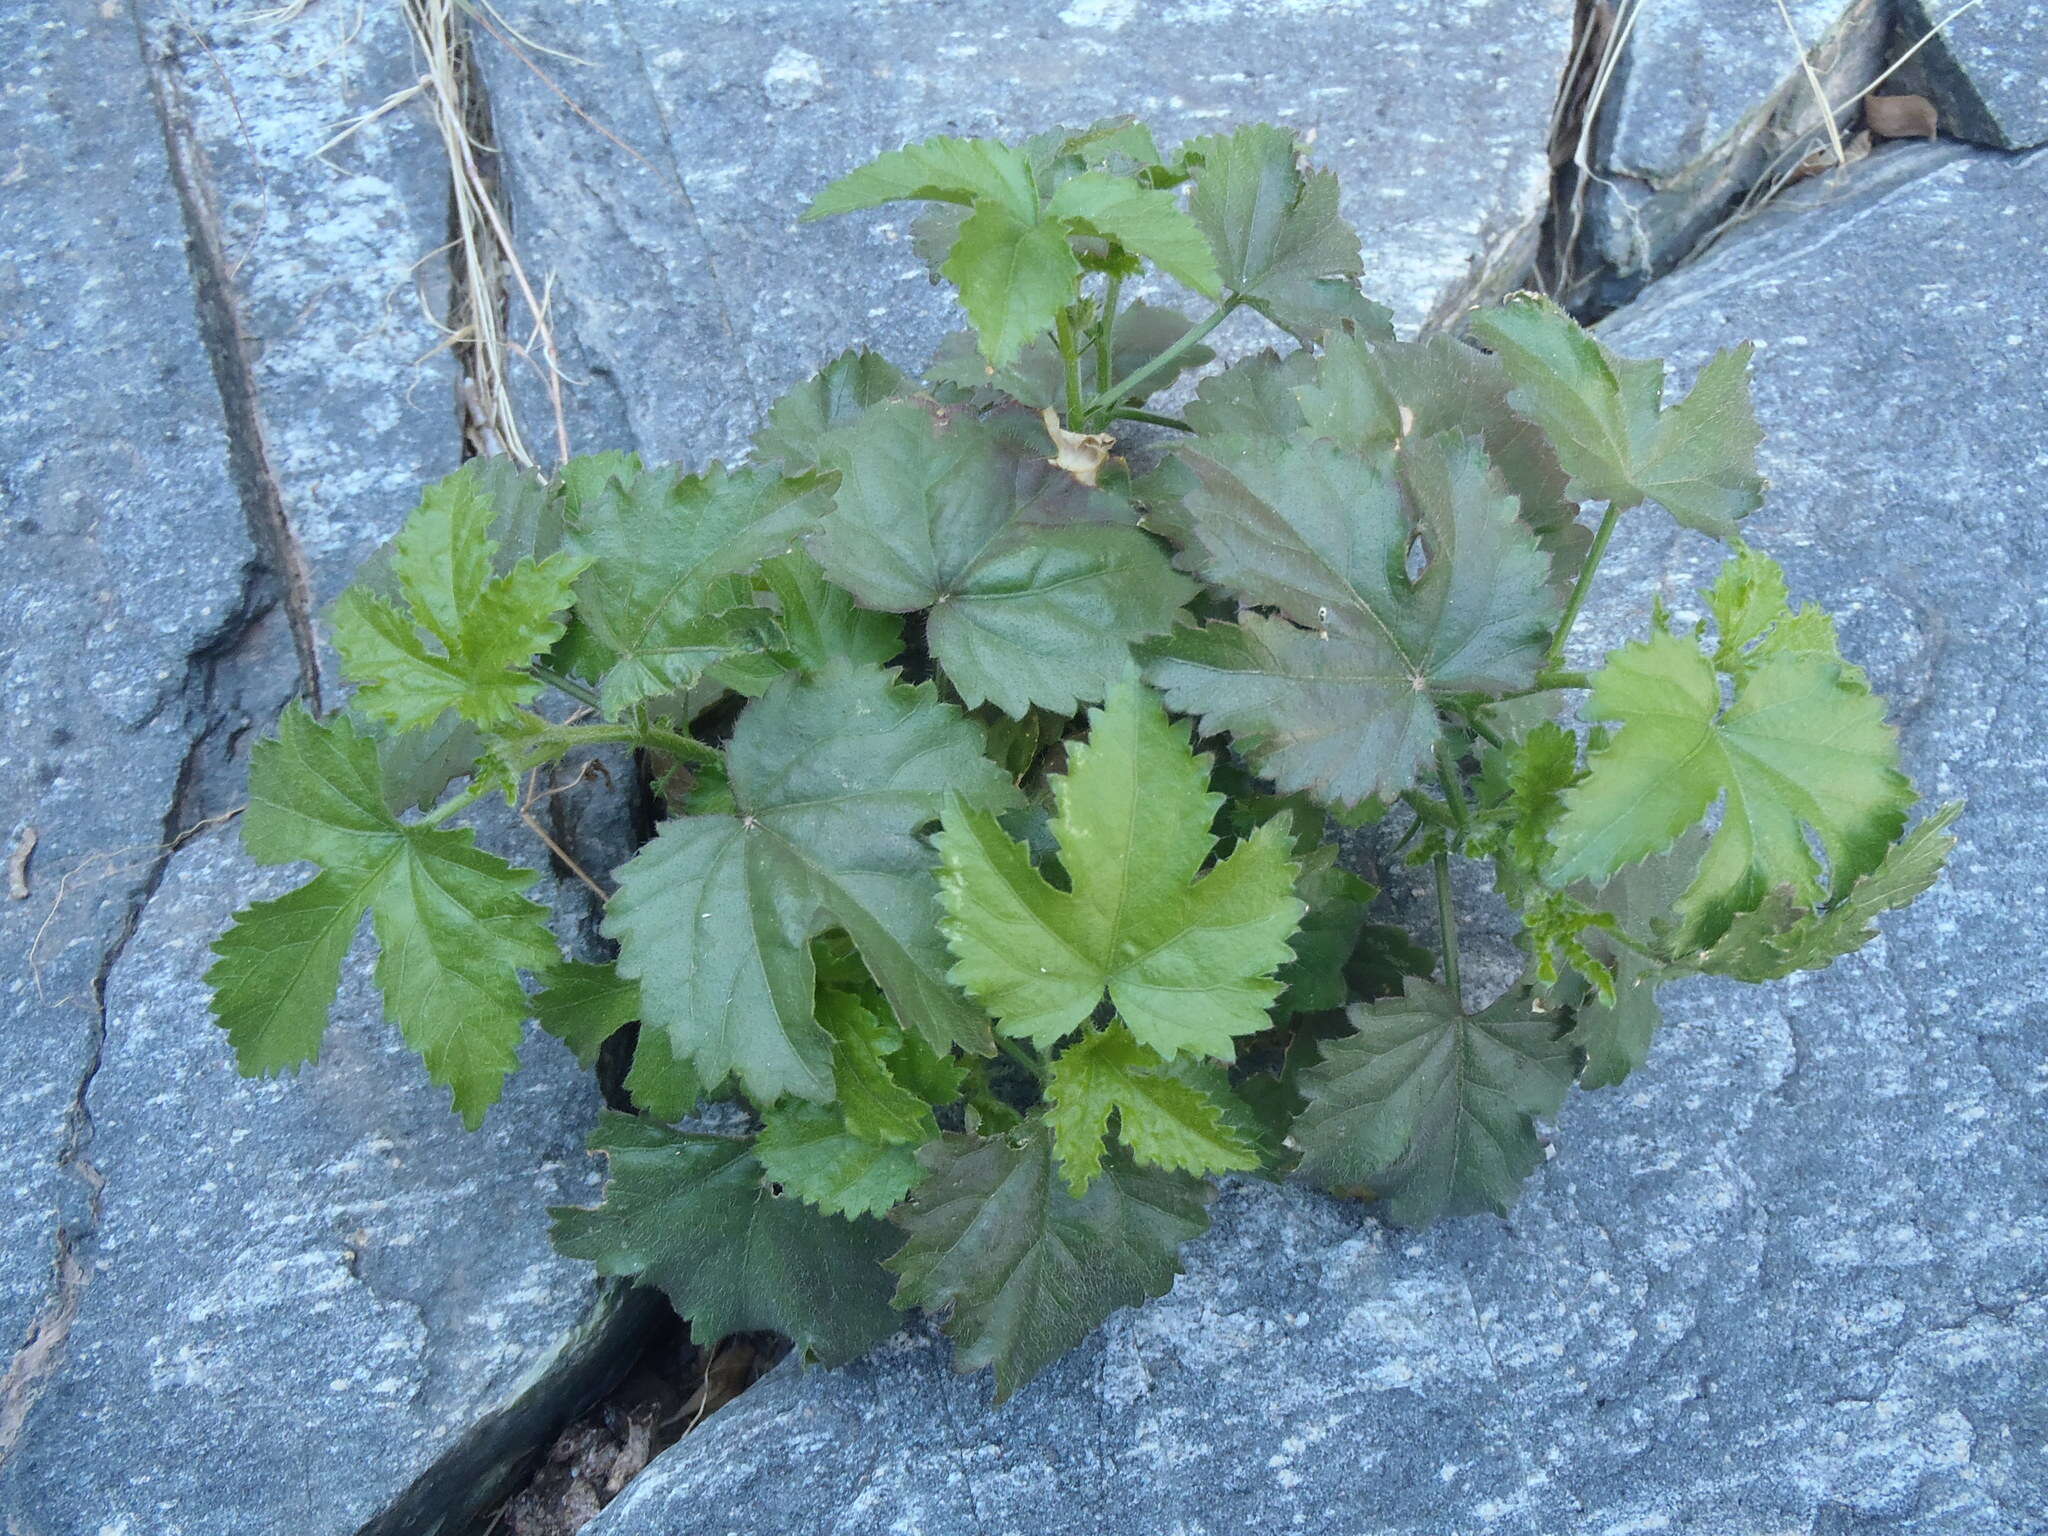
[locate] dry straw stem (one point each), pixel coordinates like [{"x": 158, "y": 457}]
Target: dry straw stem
[{"x": 1785, "y": 167}]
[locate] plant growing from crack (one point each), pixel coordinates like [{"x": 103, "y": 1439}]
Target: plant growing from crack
[{"x": 997, "y": 883}]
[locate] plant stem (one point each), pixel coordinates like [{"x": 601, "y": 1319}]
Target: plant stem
[
  {"x": 1129, "y": 413},
  {"x": 1447, "y": 923},
  {"x": 1070, "y": 357},
  {"x": 581, "y": 692},
  {"x": 1454, "y": 792},
  {"x": 557, "y": 739},
  {"x": 1025, "y": 1059},
  {"x": 1127, "y": 386},
  {"x": 462, "y": 802},
  {"x": 1105, "y": 333},
  {"x": 1585, "y": 582},
  {"x": 1480, "y": 728}
]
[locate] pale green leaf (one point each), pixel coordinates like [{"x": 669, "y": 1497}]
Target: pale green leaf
[
  {"x": 978, "y": 171},
  {"x": 1147, "y": 221},
  {"x": 1162, "y": 1120},
  {"x": 1187, "y": 958},
  {"x": 1014, "y": 277},
  {"x": 453, "y": 927},
  {"x": 1604, "y": 414},
  {"x": 813, "y": 1154}
]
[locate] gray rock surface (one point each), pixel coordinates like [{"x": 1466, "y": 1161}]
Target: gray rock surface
[
  {"x": 230, "y": 1307},
  {"x": 1987, "y": 70},
  {"x": 1707, "y": 98},
  {"x": 1794, "y": 1276},
  {"x": 687, "y": 297},
  {"x": 123, "y": 558},
  {"x": 304, "y": 1292},
  {"x": 318, "y": 220}
]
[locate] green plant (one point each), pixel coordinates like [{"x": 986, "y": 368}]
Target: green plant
[{"x": 997, "y": 881}]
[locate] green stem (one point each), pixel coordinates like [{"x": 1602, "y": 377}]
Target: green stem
[
  {"x": 1129, "y": 385},
  {"x": 1105, "y": 333},
  {"x": 1025, "y": 1059},
  {"x": 581, "y": 692},
  {"x": 1447, "y": 923},
  {"x": 1481, "y": 729},
  {"x": 551, "y": 743},
  {"x": 1129, "y": 413},
  {"x": 1070, "y": 357},
  {"x": 1454, "y": 792},
  {"x": 462, "y": 802},
  {"x": 1585, "y": 582}
]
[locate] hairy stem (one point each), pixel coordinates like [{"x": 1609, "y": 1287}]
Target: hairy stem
[
  {"x": 1070, "y": 358},
  {"x": 1584, "y": 584},
  {"x": 1454, "y": 790},
  {"x": 580, "y": 691},
  {"x": 1129, "y": 385},
  {"x": 1447, "y": 923},
  {"x": 1105, "y": 332},
  {"x": 478, "y": 788}
]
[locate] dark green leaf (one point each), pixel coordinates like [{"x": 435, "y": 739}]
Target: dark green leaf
[
  {"x": 691, "y": 1215},
  {"x": 1025, "y": 610},
  {"x": 833, "y": 397},
  {"x": 1432, "y": 1109},
  {"x": 1026, "y": 1269},
  {"x": 832, "y": 779}
]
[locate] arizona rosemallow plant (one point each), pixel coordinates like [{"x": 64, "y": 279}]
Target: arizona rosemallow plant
[{"x": 998, "y": 879}]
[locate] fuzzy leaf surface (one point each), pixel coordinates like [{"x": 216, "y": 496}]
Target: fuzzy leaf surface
[
  {"x": 460, "y": 631},
  {"x": 1014, "y": 277},
  {"x": 1278, "y": 237},
  {"x": 1785, "y": 935},
  {"x": 1335, "y": 692},
  {"x": 691, "y": 1215},
  {"x": 453, "y": 926},
  {"x": 1187, "y": 958},
  {"x": 831, "y": 778},
  {"x": 1147, "y": 221},
  {"x": 1027, "y": 1269},
  {"x": 659, "y": 548},
  {"x": 1163, "y": 1120},
  {"x": 829, "y": 399},
  {"x": 813, "y": 1154},
  {"x": 942, "y": 169},
  {"x": 1432, "y": 1109},
  {"x": 585, "y": 1003},
  {"x": 1804, "y": 745},
  {"x": 1605, "y": 415},
  {"x": 1027, "y": 606}
]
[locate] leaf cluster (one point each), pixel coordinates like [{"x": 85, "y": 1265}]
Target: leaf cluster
[{"x": 1016, "y": 790}]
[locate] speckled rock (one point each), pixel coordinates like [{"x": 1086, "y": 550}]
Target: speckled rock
[
  {"x": 123, "y": 557},
  {"x": 321, "y": 217},
  {"x": 1987, "y": 70},
  {"x": 1708, "y": 98},
  {"x": 1793, "y": 1276},
  {"x": 309, "y": 1295},
  {"x": 687, "y": 297}
]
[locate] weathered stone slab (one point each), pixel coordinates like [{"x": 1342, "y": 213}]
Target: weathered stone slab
[
  {"x": 304, "y": 1293},
  {"x": 687, "y": 297},
  {"x": 1987, "y": 69},
  {"x": 1707, "y": 98},
  {"x": 123, "y": 557},
  {"x": 1788, "y": 1278},
  {"x": 322, "y": 218}
]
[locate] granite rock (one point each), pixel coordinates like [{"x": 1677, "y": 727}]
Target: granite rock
[
  {"x": 124, "y": 561},
  {"x": 314, "y": 1303},
  {"x": 1794, "y": 1275},
  {"x": 1707, "y": 98},
  {"x": 1986, "y": 69},
  {"x": 687, "y": 297}
]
